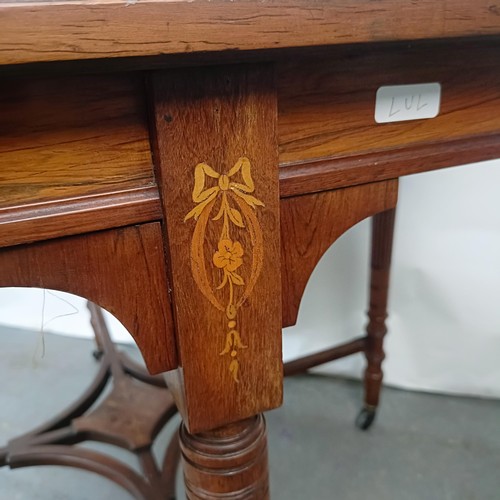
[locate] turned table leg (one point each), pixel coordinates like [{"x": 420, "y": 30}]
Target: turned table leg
[
  {"x": 229, "y": 462},
  {"x": 382, "y": 238}
]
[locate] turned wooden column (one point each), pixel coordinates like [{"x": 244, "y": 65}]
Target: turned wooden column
[
  {"x": 229, "y": 463},
  {"x": 382, "y": 239},
  {"x": 216, "y": 158}
]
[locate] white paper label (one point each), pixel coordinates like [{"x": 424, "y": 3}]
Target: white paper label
[{"x": 397, "y": 103}]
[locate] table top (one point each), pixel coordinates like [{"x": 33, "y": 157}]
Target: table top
[{"x": 85, "y": 29}]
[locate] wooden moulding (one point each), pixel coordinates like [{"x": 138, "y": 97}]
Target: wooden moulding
[
  {"x": 46, "y": 31},
  {"x": 310, "y": 224},
  {"x": 54, "y": 219},
  {"x": 34, "y": 222},
  {"x": 331, "y": 173},
  {"x": 123, "y": 270},
  {"x": 217, "y": 170}
]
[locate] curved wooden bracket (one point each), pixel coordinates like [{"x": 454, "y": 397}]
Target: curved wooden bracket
[
  {"x": 122, "y": 270},
  {"x": 310, "y": 224}
]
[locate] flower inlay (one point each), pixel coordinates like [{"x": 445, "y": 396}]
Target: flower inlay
[{"x": 235, "y": 215}]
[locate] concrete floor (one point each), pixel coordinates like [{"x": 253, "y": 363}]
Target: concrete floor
[{"x": 423, "y": 447}]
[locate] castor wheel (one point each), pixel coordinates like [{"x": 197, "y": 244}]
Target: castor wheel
[
  {"x": 98, "y": 354},
  {"x": 365, "y": 418}
]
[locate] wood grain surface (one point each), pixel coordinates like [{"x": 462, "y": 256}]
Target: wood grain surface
[
  {"x": 72, "y": 136},
  {"x": 123, "y": 270},
  {"x": 331, "y": 112},
  {"x": 216, "y": 153},
  {"x": 310, "y": 224},
  {"x": 48, "y": 31}
]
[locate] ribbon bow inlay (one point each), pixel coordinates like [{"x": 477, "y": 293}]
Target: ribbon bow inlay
[{"x": 203, "y": 196}]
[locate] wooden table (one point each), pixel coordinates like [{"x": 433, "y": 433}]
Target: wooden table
[{"x": 186, "y": 164}]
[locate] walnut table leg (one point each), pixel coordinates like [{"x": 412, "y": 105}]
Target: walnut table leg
[{"x": 382, "y": 237}]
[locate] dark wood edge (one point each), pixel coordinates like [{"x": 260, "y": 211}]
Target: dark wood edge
[
  {"x": 44, "y": 31},
  {"x": 202, "y": 59},
  {"x": 320, "y": 175},
  {"x": 22, "y": 224}
]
